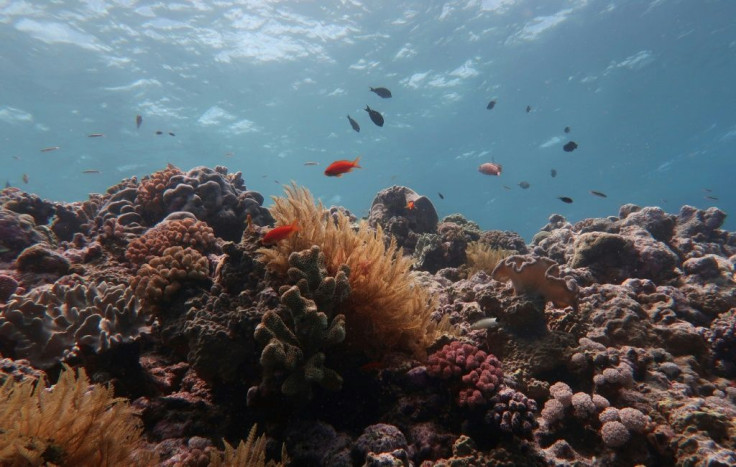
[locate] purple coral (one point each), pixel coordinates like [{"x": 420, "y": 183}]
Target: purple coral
[
  {"x": 512, "y": 412},
  {"x": 480, "y": 373}
]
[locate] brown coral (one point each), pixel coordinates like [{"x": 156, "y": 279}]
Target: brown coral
[
  {"x": 535, "y": 275},
  {"x": 150, "y": 196},
  {"x": 387, "y": 309},
  {"x": 161, "y": 278},
  {"x": 72, "y": 424},
  {"x": 186, "y": 232}
]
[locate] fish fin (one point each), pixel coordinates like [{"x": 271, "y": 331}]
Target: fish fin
[
  {"x": 367, "y": 109},
  {"x": 355, "y": 163},
  {"x": 295, "y": 225}
]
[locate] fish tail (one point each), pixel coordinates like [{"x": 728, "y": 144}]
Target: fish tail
[
  {"x": 355, "y": 163},
  {"x": 295, "y": 225},
  {"x": 367, "y": 109}
]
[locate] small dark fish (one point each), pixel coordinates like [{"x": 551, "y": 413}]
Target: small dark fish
[
  {"x": 553, "y": 173},
  {"x": 506, "y": 187},
  {"x": 171, "y": 133},
  {"x": 567, "y": 129},
  {"x": 50, "y": 148},
  {"x": 95, "y": 135},
  {"x": 714, "y": 198},
  {"x": 354, "y": 124},
  {"x": 16, "y": 158},
  {"x": 565, "y": 199},
  {"x": 138, "y": 121},
  {"x": 524, "y": 185},
  {"x": 382, "y": 92},
  {"x": 598, "y": 194},
  {"x": 491, "y": 104},
  {"x": 25, "y": 178},
  {"x": 570, "y": 146},
  {"x": 441, "y": 195},
  {"x": 159, "y": 132},
  {"x": 276, "y": 181},
  {"x": 528, "y": 108},
  {"x": 229, "y": 154},
  {"x": 707, "y": 190},
  {"x": 311, "y": 163},
  {"x": 90, "y": 171},
  {"x": 376, "y": 117}
]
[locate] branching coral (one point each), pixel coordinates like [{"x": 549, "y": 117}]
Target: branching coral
[
  {"x": 534, "y": 275},
  {"x": 161, "y": 278},
  {"x": 73, "y": 424},
  {"x": 186, "y": 232},
  {"x": 482, "y": 257},
  {"x": 295, "y": 344},
  {"x": 386, "y": 309}
]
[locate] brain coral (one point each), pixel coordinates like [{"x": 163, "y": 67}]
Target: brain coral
[
  {"x": 52, "y": 323},
  {"x": 161, "y": 278},
  {"x": 186, "y": 232}
]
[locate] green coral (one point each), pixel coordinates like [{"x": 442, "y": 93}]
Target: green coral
[{"x": 294, "y": 341}]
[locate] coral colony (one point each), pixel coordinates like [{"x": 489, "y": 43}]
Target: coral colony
[{"x": 181, "y": 338}]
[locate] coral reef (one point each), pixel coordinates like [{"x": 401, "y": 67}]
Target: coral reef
[{"x": 349, "y": 350}]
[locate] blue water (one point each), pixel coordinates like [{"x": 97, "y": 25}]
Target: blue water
[{"x": 646, "y": 87}]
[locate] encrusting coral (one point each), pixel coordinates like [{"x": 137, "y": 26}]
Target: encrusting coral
[
  {"x": 294, "y": 344},
  {"x": 71, "y": 424},
  {"x": 534, "y": 275},
  {"x": 52, "y": 323},
  {"x": 387, "y": 309}
]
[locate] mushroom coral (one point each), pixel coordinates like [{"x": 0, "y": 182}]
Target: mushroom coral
[
  {"x": 387, "y": 309},
  {"x": 536, "y": 275}
]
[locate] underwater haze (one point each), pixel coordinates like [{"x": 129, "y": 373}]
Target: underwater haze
[{"x": 645, "y": 87}]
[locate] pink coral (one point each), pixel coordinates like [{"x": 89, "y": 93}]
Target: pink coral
[{"x": 480, "y": 373}]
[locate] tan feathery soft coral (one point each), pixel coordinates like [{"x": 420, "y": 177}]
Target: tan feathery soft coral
[
  {"x": 161, "y": 278},
  {"x": 536, "y": 275},
  {"x": 187, "y": 232},
  {"x": 150, "y": 198},
  {"x": 483, "y": 257},
  {"x": 387, "y": 309},
  {"x": 72, "y": 423}
]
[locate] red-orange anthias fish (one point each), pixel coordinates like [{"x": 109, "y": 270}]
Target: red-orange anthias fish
[
  {"x": 410, "y": 205},
  {"x": 279, "y": 233},
  {"x": 337, "y": 168},
  {"x": 489, "y": 168}
]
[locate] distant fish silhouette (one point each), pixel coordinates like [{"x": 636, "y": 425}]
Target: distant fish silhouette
[
  {"x": 25, "y": 178},
  {"x": 553, "y": 173},
  {"x": 90, "y": 171},
  {"x": 382, "y": 92},
  {"x": 50, "y": 148},
  {"x": 570, "y": 146},
  {"x": 95, "y": 135},
  {"x": 441, "y": 195},
  {"x": 159, "y": 132},
  {"x": 714, "y": 198},
  {"x": 354, "y": 124},
  {"x": 138, "y": 121},
  {"x": 171, "y": 133},
  {"x": 528, "y": 108},
  {"x": 376, "y": 117},
  {"x": 524, "y": 185},
  {"x": 491, "y": 104},
  {"x": 599, "y": 194},
  {"x": 567, "y": 129},
  {"x": 565, "y": 199}
]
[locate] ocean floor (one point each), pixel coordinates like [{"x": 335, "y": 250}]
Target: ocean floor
[{"x": 169, "y": 315}]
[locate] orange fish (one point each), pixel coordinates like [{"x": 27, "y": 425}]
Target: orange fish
[
  {"x": 489, "y": 168},
  {"x": 410, "y": 205},
  {"x": 279, "y": 233},
  {"x": 337, "y": 168}
]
